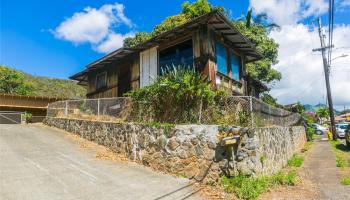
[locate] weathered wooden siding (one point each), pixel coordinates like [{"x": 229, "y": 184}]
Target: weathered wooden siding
[{"x": 113, "y": 71}]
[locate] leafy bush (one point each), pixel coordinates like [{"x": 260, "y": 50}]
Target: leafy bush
[
  {"x": 296, "y": 161},
  {"x": 246, "y": 187},
  {"x": 28, "y": 116},
  {"x": 175, "y": 97},
  {"x": 346, "y": 181},
  {"x": 310, "y": 132},
  {"x": 13, "y": 82},
  {"x": 189, "y": 11},
  {"x": 342, "y": 155}
]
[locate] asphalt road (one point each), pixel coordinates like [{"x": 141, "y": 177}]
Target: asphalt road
[{"x": 40, "y": 163}]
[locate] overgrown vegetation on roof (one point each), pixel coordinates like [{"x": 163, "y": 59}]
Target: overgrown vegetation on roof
[
  {"x": 16, "y": 82},
  {"x": 189, "y": 11}
]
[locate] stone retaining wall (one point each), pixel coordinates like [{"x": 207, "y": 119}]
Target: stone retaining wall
[{"x": 193, "y": 150}]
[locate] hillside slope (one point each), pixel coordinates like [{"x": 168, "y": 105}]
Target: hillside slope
[
  {"x": 53, "y": 87},
  {"x": 17, "y": 82}
]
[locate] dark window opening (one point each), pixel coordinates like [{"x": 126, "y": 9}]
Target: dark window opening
[
  {"x": 124, "y": 77},
  {"x": 178, "y": 55},
  {"x": 101, "y": 80}
]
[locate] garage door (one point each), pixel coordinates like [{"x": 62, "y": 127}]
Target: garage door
[{"x": 8, "y": 117}]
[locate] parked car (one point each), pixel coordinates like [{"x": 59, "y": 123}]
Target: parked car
[
  {"x": 320, "y": 130},
  {"x": 340, "y": 129},
  {"x": 347, "y": 136}
]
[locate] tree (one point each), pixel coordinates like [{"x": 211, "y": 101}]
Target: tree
[
  {"x": 321, "y": 113},
  {"x": 12, "y": 82},
  {"x": 189, "y": 11},
  {"x": 257, "y": 32},
  {"x": 138, "y": 39}
]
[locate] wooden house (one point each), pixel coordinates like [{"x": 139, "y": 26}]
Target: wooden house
[{"x": 209, "y": 43}]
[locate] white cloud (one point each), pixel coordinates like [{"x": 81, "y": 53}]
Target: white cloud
[
  {"x": 345, "y": 3},
  {"x": 113, "y": 42},
  {"x": 95, "y": 26},
  {"x": 285, "y": 12},
  {"x": 302, "y": 69}
]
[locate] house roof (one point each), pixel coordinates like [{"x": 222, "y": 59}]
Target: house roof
[{"x": 216, "y": 19}]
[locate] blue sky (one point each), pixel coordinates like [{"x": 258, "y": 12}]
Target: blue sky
[
  {"x": 27, "y": 44},
  {"x": 59, "y": 38}
]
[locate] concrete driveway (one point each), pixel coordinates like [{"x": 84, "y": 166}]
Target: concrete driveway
[{"x": 41, "y": 163}]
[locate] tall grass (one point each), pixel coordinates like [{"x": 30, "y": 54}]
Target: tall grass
[{"x": 250, "y": 188}]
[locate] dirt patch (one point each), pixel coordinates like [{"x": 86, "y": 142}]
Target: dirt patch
[
  {"x": 214, "y": 192},
  {"x": 305, "y": 189}
]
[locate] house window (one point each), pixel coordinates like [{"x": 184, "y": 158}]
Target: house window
[
  {"x": 101, "y": 80},
  {"x": 235, "y": 66},
  {"x": 178, "y": 55},
  {"x": 221, "y": 58},
  {"x": 227, "y": 62}
]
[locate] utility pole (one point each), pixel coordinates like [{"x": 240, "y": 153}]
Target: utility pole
[{"x": 326, "y": 74}]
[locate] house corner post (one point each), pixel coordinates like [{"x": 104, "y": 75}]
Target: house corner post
[
  {"x": 66, "y": 109},
  {"x": 251, "y": 110},
  {"x": 98, "y": 107}
]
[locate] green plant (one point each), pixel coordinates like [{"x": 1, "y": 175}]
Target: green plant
[
  {"x": 28, "y": 116},
  {"x": 246, "y": 187},
  {"x": 16, "y": 82},
  {"x": 346, "y": 181},
  {"x": 189, "y": 11},
  {"x": 281, "y": 178},
  {"x": 310, "y": 132},
  {"x": 342, "y": 155},
  {"x": 296, "y": 160},
  {"x": 340, "y": 161},
  {"x": 263, "y": 159},
  {"x": 13, "y": 82},
  {"x": 176, "y": 97}
]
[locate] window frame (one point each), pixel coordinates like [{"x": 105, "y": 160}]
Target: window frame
[
  {"x": 227, "y": 58},
  {"x": 182, "y": 40},
  {"x": 240, "y": 64},
  {"x": 104, "y": 74},
  {"x": 229, "y": 51}
]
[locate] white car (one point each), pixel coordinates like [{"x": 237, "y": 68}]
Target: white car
[
  {"x": 340, "y": 128},
  {"x": 320, "y": 130}
]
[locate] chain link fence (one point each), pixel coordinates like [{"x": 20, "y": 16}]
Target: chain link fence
[
  {"x": 104, "y": 109},
  {"x": 235, "y": 110}
]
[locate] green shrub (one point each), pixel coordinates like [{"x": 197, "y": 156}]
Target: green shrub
[
  {"x": 175, "y": 97},
  {"x": 310, "y": 131},
  {"x": 284, "y": 179},
  {"x": 28, "y": 117},
  {"x": 296, "y": 161},
  {"x": 346, "y": 181},
  {"x": 340, "y": 161},
  {"x": 246, "y": 187}
]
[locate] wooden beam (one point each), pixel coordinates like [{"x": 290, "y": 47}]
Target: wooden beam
[
  {"x": 222, "y": 29},
  {"x": 229, "y": 33},
  {"x": 215, "y": 22}
]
